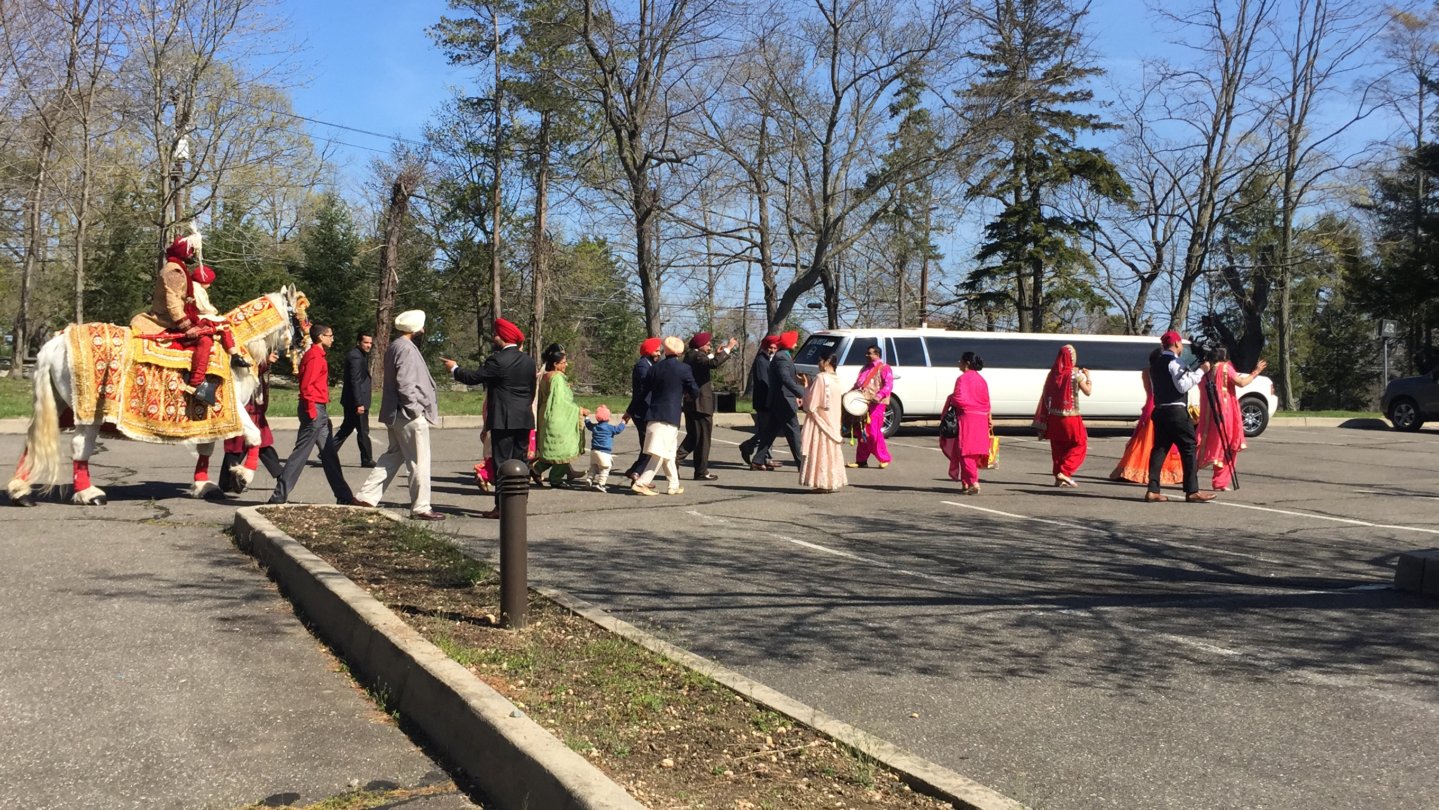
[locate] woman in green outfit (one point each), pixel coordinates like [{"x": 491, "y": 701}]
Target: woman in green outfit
[{"x": 560, "y": 422}]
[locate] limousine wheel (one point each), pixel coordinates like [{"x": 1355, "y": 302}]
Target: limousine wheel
[
  {"x": 1255, "y": 413},
  {"x": 893, "y": 415}
]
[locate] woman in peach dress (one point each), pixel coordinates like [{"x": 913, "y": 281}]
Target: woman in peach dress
[{"x": 821, "y": 439}]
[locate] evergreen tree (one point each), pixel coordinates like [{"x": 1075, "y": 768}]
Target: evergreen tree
[
  {"x": 1034, "y": 72},
  {"x": 340, "y": 290}
]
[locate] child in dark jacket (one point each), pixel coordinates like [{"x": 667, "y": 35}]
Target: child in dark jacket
[{"x": 602, "y": 446}]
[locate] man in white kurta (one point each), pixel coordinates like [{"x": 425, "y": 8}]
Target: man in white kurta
[{"x": 408, "y": 406}]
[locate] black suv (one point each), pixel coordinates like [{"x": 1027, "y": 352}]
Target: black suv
[{"x": 1411, "y": 401}]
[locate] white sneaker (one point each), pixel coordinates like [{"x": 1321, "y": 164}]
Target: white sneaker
[{"x": 600, "y": 488}]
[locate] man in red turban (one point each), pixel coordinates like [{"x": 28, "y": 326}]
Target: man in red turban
[
  {"x": 507, "y": 333},
  {"x": 639, "y": 408},
  {"x": 759, "y": 393},
  {"x": 702, "y": 358},
  {"x": 784, "y": 395}
]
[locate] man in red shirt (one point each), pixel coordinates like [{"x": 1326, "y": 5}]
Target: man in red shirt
[{"x": 314, "y": 423}]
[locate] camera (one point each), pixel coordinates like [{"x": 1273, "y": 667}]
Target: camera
[{"x": 1201, "y": 347}]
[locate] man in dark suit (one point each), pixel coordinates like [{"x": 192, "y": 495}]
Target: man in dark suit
[
  {"x": 759, "y": 393},
  {"x": 639, "y": 407},
  {"x": 508, "y": 376},
  {"x": 668, "y": 383},
  {"x": 703, "y": 359},
  {"x": 784, "y": 395},
  {"x": 355, "y": 398}
]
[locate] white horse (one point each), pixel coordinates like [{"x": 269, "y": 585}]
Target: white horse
[{"x": 54, "y": 391}]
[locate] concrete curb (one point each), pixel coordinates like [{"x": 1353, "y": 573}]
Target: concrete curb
[
  {"x": 515, "y": 762},
  {"x": 921, "y": 774}
]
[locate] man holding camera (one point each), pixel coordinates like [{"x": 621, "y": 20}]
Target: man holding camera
[{"x": 1172, "y": 425}]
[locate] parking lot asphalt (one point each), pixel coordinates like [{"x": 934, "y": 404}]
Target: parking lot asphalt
[{"x": 1070, "y": 648}]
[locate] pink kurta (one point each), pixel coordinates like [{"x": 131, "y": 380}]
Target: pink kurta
[
  {"x": 1212, "y": 448},
  {"x": 970, "y": 449},
  {"x": 821, "y": 440}
]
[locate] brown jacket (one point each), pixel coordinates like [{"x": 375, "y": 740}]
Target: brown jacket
[{"x": 167, "y": 305}]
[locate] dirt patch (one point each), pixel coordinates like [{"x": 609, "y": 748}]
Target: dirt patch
[{"x": 672, "y": 737}]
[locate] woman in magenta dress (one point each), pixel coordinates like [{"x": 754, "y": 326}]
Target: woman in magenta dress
[
  {"x": 1219, "y": 448},
  {"x": 970, "y": 449},
  {"x": 1057, "y": 418},
  {"x": 876, "y": 381}
]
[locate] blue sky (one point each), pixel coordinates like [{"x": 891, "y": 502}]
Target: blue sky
[{"x": 370, "y": 65}]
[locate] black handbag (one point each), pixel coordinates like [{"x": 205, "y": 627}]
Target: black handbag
[{"x": 949, "y": 422}]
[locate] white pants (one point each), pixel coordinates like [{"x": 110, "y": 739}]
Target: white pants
[
  {"x": 661, "y": 439},
  {"x": 409, "y": 447},
  {"x": 600, "y": 464}
]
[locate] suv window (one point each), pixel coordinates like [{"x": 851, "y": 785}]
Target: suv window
[
  {"x": 908, "y": 352},
  {"x": 857, "y": 348},
  {"x": 815, "y": 346}
]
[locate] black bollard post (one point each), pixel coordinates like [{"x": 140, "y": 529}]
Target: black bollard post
[{"x": 514, "y": 544}]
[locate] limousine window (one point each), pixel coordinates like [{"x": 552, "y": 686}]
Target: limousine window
[
  {"x": 815, "y": 346},
  {"x": 1039, "y": 353},
  {"x": 945, "y": 352},
  {"x": 908, "y": 352}
]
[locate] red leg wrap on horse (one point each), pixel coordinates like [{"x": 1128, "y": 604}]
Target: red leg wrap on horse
[
  {"x": 202, "y": 468},
  {"x": 252, "y": 459},
  {"x": 82, "y": 476}
]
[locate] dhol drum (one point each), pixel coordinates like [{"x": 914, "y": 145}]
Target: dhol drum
[{"x": 854, "y": 403}]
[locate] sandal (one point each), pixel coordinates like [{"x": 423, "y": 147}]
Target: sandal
[{"x": 855, "y": 465}]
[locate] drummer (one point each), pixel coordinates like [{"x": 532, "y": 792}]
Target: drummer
[{"x": 875, "y": 382}]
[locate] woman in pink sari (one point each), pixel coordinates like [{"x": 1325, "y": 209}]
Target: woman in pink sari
[
  {"x": 876, "y": 380},
  {"x": 1057, "y": 416},
  {"x": 1221, "y": 437},
  {"x": 823, "y": 467},
  {"x": 970, "y": 449}
]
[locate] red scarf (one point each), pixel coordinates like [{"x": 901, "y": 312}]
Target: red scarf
[{"x": 1058, "y": 395}]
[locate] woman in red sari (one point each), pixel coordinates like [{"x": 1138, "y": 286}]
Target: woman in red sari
[
  {"x": 1134, "y": 464},
  {"x": 968, "y": 451},
  {"x": 1057, "y": 416},
  {"x": 1221, "y": 438}
]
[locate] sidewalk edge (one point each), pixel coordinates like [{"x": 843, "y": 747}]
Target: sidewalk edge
[
  {"x": 515, "y": 762},
  {"x": 921, "y": 774}
]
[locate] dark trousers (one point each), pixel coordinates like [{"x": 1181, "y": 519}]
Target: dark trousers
[
  {"x": 506, "y": 445},
  {"x": 1172, "y": 426},
  {"x": 641, "y": 460},
  {"x": 747, "y": 447},
  {"x": 779, "y": 423},
  {"x": 699, "y": 427},
  {"x": 358, "y": 424},
  {"x": 313, "y": 432}
]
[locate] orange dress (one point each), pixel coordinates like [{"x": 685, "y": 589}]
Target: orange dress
[{"x": 1134, "y": 463}]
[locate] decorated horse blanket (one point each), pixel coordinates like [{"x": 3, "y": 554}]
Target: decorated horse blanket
[{"x": 136, "y": 384}]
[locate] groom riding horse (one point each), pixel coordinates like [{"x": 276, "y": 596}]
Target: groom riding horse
[{"x": 175, "y": 317}]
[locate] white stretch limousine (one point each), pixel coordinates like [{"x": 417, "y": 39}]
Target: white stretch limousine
[{"x": 925, "y": 363}]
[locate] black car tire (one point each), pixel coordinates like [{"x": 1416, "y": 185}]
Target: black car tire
[
  {"x": 1404, "y": 415},
  {"x": 1254, "y": 413},
  {"x": 893, "y": 415}
]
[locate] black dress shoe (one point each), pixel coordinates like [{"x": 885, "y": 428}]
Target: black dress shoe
[
  {"x": 369, "y": 465},
  {"x": 426, "y": 516},
  {"x": 360, "y": 503},
  {"x": 707, "y": 477},
  {"x": 744, "y": 453},
  {"x": 761, "y": 467}
]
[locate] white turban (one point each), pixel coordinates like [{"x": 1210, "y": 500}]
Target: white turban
[
  {"x": 674, "y": 346},
  {"x": 410, "y": 321}
]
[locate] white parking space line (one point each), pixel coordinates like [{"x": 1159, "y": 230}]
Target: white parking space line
[
  {"x": 1082, "y": 527},
  {"x": 1331, "y": 518}
]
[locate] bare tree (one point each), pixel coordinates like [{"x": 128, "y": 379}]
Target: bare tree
[
  {"x": 640, "y": 64},
  {"x": 1327, "y": 43},
  {"x": 1218, "y": 100}
]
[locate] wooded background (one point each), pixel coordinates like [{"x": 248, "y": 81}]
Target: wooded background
[{"x": 623, "y": 169}]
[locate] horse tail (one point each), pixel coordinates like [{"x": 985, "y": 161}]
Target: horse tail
[{"x": 41, "y": 461}]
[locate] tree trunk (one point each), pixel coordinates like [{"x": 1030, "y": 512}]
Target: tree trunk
[
  {"x": 406, "y": 178},
  {"x": 541, "y": 247},
  {"x": 646, "y": 232},
  {"x": 33, "y": 246}
]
